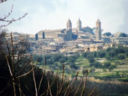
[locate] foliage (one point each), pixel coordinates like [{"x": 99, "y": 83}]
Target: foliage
[
  {"x": 107, "y": 34},
  {"x": 123, "y": 35},
  {"x": 107, "y": 64},
  {"x": 121, "y": 56}
]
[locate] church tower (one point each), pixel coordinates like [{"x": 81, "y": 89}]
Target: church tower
[
  {"x": 79, "y": 25},
  {"x": 98, "y": 30},
  {"x": 69, "y": 30},
  {"x": 69, "y": 25}
]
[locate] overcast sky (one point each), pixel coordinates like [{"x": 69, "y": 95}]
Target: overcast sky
[{"x": 53, "y": 14}]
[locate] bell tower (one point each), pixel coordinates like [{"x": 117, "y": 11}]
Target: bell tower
[
  {"x": 79, "y": 25},
  {"x": 69, "y": 30},
  {"x": 69, "y": 25},
  {"x": 98, "y": 30}
]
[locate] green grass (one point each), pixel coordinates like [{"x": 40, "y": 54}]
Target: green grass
[
  {"x": 125, "y": 79},
  {"x": 121, "y": 66},
  {"x": 83, "y": 64}
]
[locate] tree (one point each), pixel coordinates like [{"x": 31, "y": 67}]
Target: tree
[
  {"x": 92, "y": 70},
  {"x": 91, "y": 60},
  {"x": 62, "y": 60},
  {"x": 1, "y": 1},
  {"x": 112, "y": 54},
  {"x": 74, "y": 66},
  {"x": 121, "y": 56},
  {"x": 14, "y": 64},
  {"x": 107, "y": 34},
  {"x": 123, "y": 35},
  {"x": 10, "y": 60},
  {"x": 107, "y": 64},
  {"x": 2, "y": 41},
  {"x": 40, "y": 59},
  {"x": 96, "y": 64},
  {"x": 85, "y": 72},
  {"x": 111, "y": 67},
  {"x": 84, "y": 54},
  {"x": 90, "y": 55},
  {"x": 101, "y": 54}
]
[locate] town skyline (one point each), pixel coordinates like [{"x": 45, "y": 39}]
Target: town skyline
[{"x": 54, "y": 14}]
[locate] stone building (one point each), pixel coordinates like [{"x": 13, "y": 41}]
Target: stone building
[
  {"x": 79, "y": 25},
  {"x": 36, "y": 37},
  {"x": 69, "y": 33},
  {"x": 98, "y": 30}
]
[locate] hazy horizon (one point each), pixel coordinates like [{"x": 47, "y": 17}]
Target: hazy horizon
[{"x": 53, "y": 14}]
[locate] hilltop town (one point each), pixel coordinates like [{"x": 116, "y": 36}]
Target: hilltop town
[{"x": 72, "y": 40}]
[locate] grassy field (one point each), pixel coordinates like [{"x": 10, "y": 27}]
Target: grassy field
[
  {"x": 81, "y": 63},
  {"x": 110, "y": 64}
]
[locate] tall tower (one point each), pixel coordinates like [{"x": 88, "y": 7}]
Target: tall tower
[
  {"x": 79, "y": 25},
  {"x": 69, "y": 25},
  {"x": 36, "y": 36},
  {"x": 43, "y": 35},
  {"x": 98, "y": 30},
  {"x": 69, "y": 30}
]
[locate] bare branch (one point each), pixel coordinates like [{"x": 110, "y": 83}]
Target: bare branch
[
  {"x": 13, "y": 79},
  {"x": 25, "y": 74},
  {"x": 34, "y": 80},
  {"x": 11, "y": 20},
  {"x": 1, "y": 1},
  {"x": 40, "y": 82},
  {"x": 9, "y": 67},
  {"x": 9, "y": 13}
]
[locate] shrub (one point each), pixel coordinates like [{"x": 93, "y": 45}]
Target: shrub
[
  {"x": 107, "y": 64},
  {"x": 96, "y": 64},
  {"x": 121, "y": 56}
]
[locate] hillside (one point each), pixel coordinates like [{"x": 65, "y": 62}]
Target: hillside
[{"x": 110, "y": 64}]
